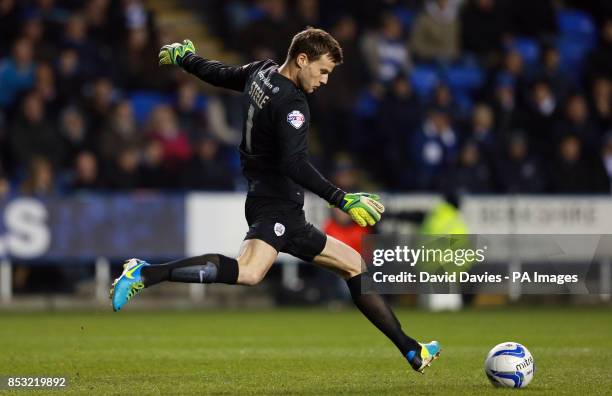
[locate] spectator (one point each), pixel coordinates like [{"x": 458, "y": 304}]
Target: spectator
[
  {"x": 577, "y": 121},
  {"x": 399, "y": 117},
  {"x": 443, "y": 97},
  {"x": 164, "y": 128},
  {"x": 470, "y": 175},
  {"x": 571, "y": 172},
  {"x": 307, "y": 13},
  {"x": 265, "y": 37},
  {"x": 433, "y": 147},
  {"x": 601, "y": 102},
  {"x": 153, "y": 173},
  {"x": 436, "y": 31},
  {"x": 139, "y": 70},
  {"x": 99, "y": 25},
  {"x": 16, "y": 72},
  {"x": 384, "y": 51},
  {"x": 543, "y": 113},
  {"x": 39, "y": 180},
  {"x": 53, "y": 16},
  {"x": 224, "y": 117},
  {"x": 482, "y": 133},
  {"x": 9, "y": 24},
  {"x": 100, "y": 103},
  {"x": 482, "y": 28},
  {"x": 33, "y": 135},
  {"x": 190, "y": 115},
  {"x": 507, "y": 110},
  {"x": 135, "y": 15},
  {"x": 519, "y": 171},
  {"x": 513, "y": 65},
  {"x": 75, "y": 37},
  {"x": 69, "y": 77},
  {"x": 86, "y": 176},
  {"x": 333, "y": 106},
  {"x": 540, "y": 21},
  {"x": 34, "y": 31},
  {"x": 44, "y": 87},
  {"x": 74, "y": 134},
  {"x": 125, "y": 170},
  {"x": 206, "y": 170},
  {"x": 120, "y": 131},
  {"x": 551, "y": 71}
]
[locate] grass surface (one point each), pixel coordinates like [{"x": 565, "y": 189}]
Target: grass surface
[{"x": 310, "y": 352}]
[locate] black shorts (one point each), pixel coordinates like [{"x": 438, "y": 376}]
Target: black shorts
[{"x": 283, "y": 225}]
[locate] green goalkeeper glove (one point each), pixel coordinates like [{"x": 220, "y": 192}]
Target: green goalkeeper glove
[
  {"x": 365, "y": 209},
  {"x": 172, "y": 54}
]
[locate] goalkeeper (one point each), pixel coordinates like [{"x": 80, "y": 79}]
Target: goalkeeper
[{"x": 274, "y": 160}]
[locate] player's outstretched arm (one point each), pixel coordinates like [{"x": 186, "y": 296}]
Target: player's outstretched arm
[{"x": 210, "y": 71}]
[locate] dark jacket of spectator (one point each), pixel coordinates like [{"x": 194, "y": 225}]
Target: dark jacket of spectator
[
  {"x": 470, "y": 175},
  {"x": 34, "y": 136},
  {"x": 482, "y": 27},
  {"x": 206, "y": 171},
  {"x": 518, "y": 171}
]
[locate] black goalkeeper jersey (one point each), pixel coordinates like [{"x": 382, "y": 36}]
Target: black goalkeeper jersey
[{"x": 273, "y": 151}]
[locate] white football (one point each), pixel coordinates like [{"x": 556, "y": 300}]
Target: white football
[{"x": 510, "y": 365}]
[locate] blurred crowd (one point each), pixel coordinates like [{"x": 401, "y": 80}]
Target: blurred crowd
[{"x": 476, "y": 96}]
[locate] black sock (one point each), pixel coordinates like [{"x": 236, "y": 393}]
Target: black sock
[
  {"x": 209, "y": 268},
  {"x": 376, "y": 309}
]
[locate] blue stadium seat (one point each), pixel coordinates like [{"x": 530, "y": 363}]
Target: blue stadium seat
[
  {"x": 528, "y": 48},
  {"x": 464, "y": 78},
  {"x": 201, "y": 102},
  {"x": 572, "y": 52},
  {"x": 577, "y": 25},
  {"x": 424, "y": 80},
  {"x": 464, "y": 102},
  {"x": 144, "y": 101},
  {"x": 366, "y": 105},
  {"x": 406, "y": 17}
]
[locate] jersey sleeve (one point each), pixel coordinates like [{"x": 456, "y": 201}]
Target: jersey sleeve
[
  {"x": 219, "y": 74},
  {"x": 292, "y": 121}
]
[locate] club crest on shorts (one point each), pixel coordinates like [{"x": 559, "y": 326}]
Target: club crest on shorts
[
  {"x": 279, "y": 229},
  {"x": 296, "y": 119}
]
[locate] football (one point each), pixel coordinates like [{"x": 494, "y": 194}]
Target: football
[{"x": 509, "y": 365}]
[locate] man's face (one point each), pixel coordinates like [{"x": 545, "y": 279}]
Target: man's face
[{"x": 313, "y": 74}]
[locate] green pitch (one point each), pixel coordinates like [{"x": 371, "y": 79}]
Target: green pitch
[{"x": 311, "y": 352}]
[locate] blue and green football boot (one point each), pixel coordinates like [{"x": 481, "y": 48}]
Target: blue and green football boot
[
  {"x": 419, "y": 360},
  {"x": 128, "y": 284}
]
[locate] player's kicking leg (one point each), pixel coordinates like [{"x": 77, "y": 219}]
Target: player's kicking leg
[
  {"x": 344, "y": 260},
  {"x": 255, "y": 259}
]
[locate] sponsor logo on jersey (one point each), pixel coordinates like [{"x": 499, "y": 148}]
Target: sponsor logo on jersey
[
  {"x": 279, "y": 229},
  {"x": 296, "y": 119}
]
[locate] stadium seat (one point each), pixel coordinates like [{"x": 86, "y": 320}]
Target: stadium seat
[
  {"x": 577, "y": 25},
  {"x": 144, "y": 101},
  {"x": 424, "y": 80},
  {"x": 406, "y": 17},
  {"x": 528, "y": 48},
  {"x": 366, "y": 105},
  {"x": 464, "y": 78},
  {"x": 464, "y": 103},
  {"x": 572, "y": 52}
]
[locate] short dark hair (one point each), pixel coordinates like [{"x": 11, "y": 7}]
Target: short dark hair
[{"x": 315, "y": 43}]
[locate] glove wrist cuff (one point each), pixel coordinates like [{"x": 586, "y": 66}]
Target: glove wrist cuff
[
  {"x": 180, "y": 60},
  {"x": 337, "y": 198}
]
